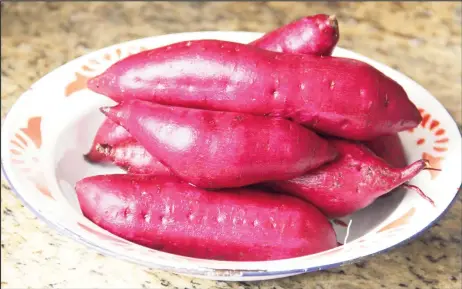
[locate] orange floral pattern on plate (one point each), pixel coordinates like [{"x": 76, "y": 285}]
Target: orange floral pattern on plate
[
  {"x": 33, "y": 130},
  {"x": 439, "y": 144},
  {"x": 19, "y": 144},
  {"x": 78, "y": 84},
  {"x": 44, "y": 190},
  {"x": 403, "y": 220},
  {"x": 434, "y": 162}
]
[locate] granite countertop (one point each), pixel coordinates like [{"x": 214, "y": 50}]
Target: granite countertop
[{"x": 422, "y": 40}]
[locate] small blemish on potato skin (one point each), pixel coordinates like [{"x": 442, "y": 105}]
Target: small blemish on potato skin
[{"x": 147, "y": 218}]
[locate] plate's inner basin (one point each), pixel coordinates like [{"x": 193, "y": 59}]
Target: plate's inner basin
[{"x": 76, "y": 139}]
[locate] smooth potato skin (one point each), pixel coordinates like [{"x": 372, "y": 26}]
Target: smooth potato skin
[
  {"x": 235, "y": 225},
  {"x": 315, "y": 35},
  {"x": 336, "y": 96},
  {"x": 212, "y": 149},
  {"x": 351, "y": 182}
]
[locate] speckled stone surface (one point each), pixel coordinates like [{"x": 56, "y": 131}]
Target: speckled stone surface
[{"x": 422, "y": 40}]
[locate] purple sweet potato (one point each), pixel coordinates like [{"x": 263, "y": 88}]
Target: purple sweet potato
[
  {"x": 214, "y": 149},
  {"x": 336, "y": 96},
  {"x": 389, "y": 148},
  {"x": 134, "y": 158},
  {"x": 351, "y": 182},
  {"x": 316, "y": 35},
  {"x": 166, "y": 214},
  {"x": 109, "y": 134}
]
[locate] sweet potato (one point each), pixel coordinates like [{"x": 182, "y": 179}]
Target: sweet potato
[
  {"x": 351, "y": 182},
  {"x": 316, "y": 35},
  {"x": 336, "y": 96},
  {"x": 389, "y": 148},
  {"x": 109, "y": 134},
  {"x": 134, "y": 158},
  {"x": 166, "y": 214},
  {"x": 214, "y": 149}
]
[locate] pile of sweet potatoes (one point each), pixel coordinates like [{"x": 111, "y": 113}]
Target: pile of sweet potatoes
[{"x": 243, "y": 151}]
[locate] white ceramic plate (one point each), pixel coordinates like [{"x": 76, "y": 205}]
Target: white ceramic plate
[{"x": 53, "y": 123}]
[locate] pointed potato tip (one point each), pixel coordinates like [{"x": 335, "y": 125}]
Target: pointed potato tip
[
  {"x": 99, "y": 153},
  {"x": 88, "y": 158},
  {"x": 105, "y": 109},
  {"x": 114, "y": 113},
  {"x": 333, "y": 21},
  {"x": 333, "y": 17},
  {"x": 93, "y": 83},
  {"x": 101, "y": 84}
]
